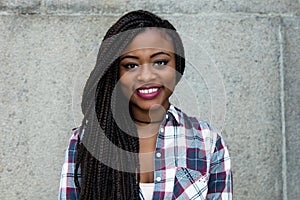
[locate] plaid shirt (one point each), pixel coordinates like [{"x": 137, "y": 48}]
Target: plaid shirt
[{"x": 191, "y": 162}]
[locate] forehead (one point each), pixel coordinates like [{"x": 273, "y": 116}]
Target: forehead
[{"x": 151, "y": 38}]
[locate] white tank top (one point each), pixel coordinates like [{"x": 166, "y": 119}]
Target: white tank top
[{"x": 147, "y": 190}]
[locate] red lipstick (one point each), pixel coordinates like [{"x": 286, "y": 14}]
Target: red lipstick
[{"x": 149, "y": 92}]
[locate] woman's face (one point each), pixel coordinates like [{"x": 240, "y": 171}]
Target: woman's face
[{"x": 147, "y": 70}]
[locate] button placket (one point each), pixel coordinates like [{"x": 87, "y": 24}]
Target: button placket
[
  {"x": 162, "y": 130},
  {"x": 158, "y": 154},
  {"x": 158, "y": 179}
]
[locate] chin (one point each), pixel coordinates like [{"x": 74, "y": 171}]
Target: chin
[{"x": 154, "y": 106}]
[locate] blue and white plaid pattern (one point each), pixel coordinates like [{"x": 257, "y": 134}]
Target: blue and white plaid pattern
[{"x": 191, "y": 162}]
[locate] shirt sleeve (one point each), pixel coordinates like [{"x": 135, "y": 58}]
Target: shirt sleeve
[
  {"x": 67, "y": 188},
  {"x": 220, "y": 181}
]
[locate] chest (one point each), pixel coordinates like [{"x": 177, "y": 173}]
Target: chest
[{"x": 180, "y": 164}]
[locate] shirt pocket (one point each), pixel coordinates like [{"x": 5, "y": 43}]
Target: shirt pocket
[{"x": 189, "y": 184}]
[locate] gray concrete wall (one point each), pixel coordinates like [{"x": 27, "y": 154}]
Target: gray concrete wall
[{"x": 49, "y": 47}]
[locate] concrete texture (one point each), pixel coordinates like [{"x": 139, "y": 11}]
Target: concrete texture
[
  {"x": 292, "y": 103},
  {"x": 169, "y": 7},
  {"x": 41, "y": 57},
  {"x": 173, "y": 6},
  {"x": 247, "y": 58},
  {"x": 245, "y": 53}
]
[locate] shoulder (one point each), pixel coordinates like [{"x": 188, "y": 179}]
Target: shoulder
[
  {"x": 74, "y": 138},
  {"x": 67, "y": 189},
  {"x": 195, "y": 123},
  {"x": 70, "y": 155},
  {"x": 198, "y": 130}
]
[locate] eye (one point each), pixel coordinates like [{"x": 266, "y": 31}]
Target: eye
[
  {"x": 160, "y": 63},
  {"x": 131, "y": 65}
]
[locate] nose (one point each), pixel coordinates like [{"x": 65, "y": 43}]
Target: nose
[{"x": 146, "y": 73}]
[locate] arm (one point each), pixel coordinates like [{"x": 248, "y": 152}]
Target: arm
[
  {"x": 67, "y": 188},
  {"x": 220, "y": 181}
]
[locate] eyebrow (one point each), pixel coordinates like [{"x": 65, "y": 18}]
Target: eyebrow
[
  {"x": 158, "y": 53},
  {"x": 128, "y": 56},
  {"x": 152, "y": 56}
]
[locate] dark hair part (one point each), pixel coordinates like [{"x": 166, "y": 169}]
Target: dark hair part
[{"x": 99, "y": 136}]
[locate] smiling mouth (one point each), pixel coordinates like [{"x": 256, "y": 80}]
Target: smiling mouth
[{"x": 148, "y": 92}]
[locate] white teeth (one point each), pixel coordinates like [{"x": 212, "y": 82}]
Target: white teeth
[{"x": 148, "y": 91}]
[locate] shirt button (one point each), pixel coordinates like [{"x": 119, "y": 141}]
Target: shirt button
[
  {"x": 167, "y": 116},
  {"x": 158, "y": 179},
  {"x": 158, "y": 155},
  {"x": 162, "y": 130}
]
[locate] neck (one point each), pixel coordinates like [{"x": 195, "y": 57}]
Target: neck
[
  {"x": 154, "y": 115},
  {"x": 146, "y": 122}
]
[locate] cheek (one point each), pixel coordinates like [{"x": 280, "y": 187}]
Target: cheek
[
  {"x": 125, "y": 85},
  {"x": 124, "y": 89},
  {"x": 170, "y": 80}
]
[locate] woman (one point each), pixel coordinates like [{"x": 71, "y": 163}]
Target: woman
[{"x": 134, "y": 144}]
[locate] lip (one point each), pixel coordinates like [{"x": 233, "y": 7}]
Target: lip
[{"x": 148, "y": 92}]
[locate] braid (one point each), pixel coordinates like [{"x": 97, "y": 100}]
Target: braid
[{"x": 100, "y": 134}]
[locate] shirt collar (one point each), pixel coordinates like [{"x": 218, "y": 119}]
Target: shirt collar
[{"x": 175, "y": 112}]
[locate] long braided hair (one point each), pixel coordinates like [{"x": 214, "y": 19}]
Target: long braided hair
[{"x": 107, "y": 154}]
